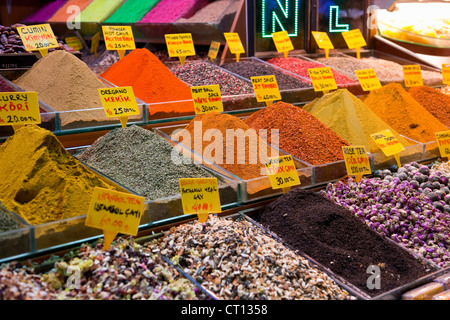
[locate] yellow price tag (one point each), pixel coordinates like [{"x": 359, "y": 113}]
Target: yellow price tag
[
  {"x": 368, "y": 79},
  {"x": 443, "y": 140},
  {"x": 114, "y": 212},
  {"x": 322, "y": 79},
  {"x": 19, "y": 108},
  {"x": 282, "y": 42},
  {"x": 323, "y": 41},
  {"x": 356, "y": 161},
  {"x": 119, "y": 102},
  {"x": 389, "y": 144},
  {"x": 38, "y": 37},
  {"x": 354, "y": 39},
  {"x": 95, "y": 41},
  {"x": 234, "y": 43},
  {"x": 446, "y": 74},
  {"x": 119, "y": 38},
  {"x": 413, "y": 75},
  {"x": 282, "y": 172},
  {"x": 213, "y": 50},
  {"x": 74, "y": 43},
  {"x": 200, "y": 196},
  {"x": 180, "y": 45},
  {"x": 266, "y": 89},
  {"x": 207, "y": 99}
]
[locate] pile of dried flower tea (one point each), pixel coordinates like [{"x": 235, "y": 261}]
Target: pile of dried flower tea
[{"x": 237, "y": 260}]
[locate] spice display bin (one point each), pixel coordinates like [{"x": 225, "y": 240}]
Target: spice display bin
[
  {"x": 297, "y": 95},
  {"x": 385, "y": 56},
  {"x": 60, "y": 232},
  {"x": 328, "y": 172},
  {"x": 48, "y": 116},
  {"x": 397, "y": 293},
  {"x": 353, "y": 87},
  {"x": 17, "y": 60},
  {"x": 434, "y": 271},
  {"x": 388, "y": 31},
  {"x": 167, "y": 209},
  {"x": 431, "y": 150},
  {"x": 102, "y": 123},
  {"x": 49, "y": 264},
  {"x": 250, "y": 190},
  {"x": 16, "y": 242},
  {"x": 240, "y": 217},
  {"x": 412, "y": 153}
]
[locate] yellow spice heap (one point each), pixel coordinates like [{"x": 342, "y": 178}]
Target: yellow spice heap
[
  {"x": 350, "y": 118},
  {"x": 41, "y": 181}
]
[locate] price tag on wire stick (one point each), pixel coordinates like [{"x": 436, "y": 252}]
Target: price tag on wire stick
[
  {"x": 323, "y": 41},
  {"x": 389, "y": 144},
  {"x": 207, "y": 99},
  {"x": 446, "y": 73},
  {"x": 266, "y": 89},
  {"x": 74, "y": 43},
  {"x": 200, "y": 196},
  {"x": 95, "y": 41},
  {"x": 282, "y": 173},
  {"x": 38, "y": 38},
  {"x": 119, "y": 38},
  {"x": 356, "y": 161},
  {"x": 180, "y": 45},
  {"x": 119, "y": 102},
  {"x": 354, "y": 40},
  {"x": 114, "y": 212},
  {"x": 322, "y": 79},
  {"x": 413, "y": 75},
  {"x": 282, "y": 42},
  {"x": 368, "y": 79},
  {"x": 234, "y": 43},
  {"x": 213, "y": 50},
  {"x": 18, "y": 109},
  {"x": 443, "y": 141}
]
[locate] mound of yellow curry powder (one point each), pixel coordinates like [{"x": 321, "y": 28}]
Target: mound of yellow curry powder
[{"x": 41, "y": 181}]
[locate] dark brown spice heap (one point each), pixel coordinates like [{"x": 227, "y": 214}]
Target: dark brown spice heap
[{"x": 334, "y": 237}]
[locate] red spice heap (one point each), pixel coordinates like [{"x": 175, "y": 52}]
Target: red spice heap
[
  {"x": 152, "y": 82},
  {"x": 300, "y": 133},
  {"x": 434, "y": 100}
]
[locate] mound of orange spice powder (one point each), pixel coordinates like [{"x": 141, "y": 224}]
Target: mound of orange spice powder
[
  {"x": 300, "y": 133},
  {"x": 216, "y": 136},
  {"x": 153, "y": 83}
]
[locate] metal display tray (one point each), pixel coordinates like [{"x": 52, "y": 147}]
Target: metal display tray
[
  {"x": 168, "y": 209},
  {"x": 251, "y": 190},
  {"x": 395, "y": 294}
]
